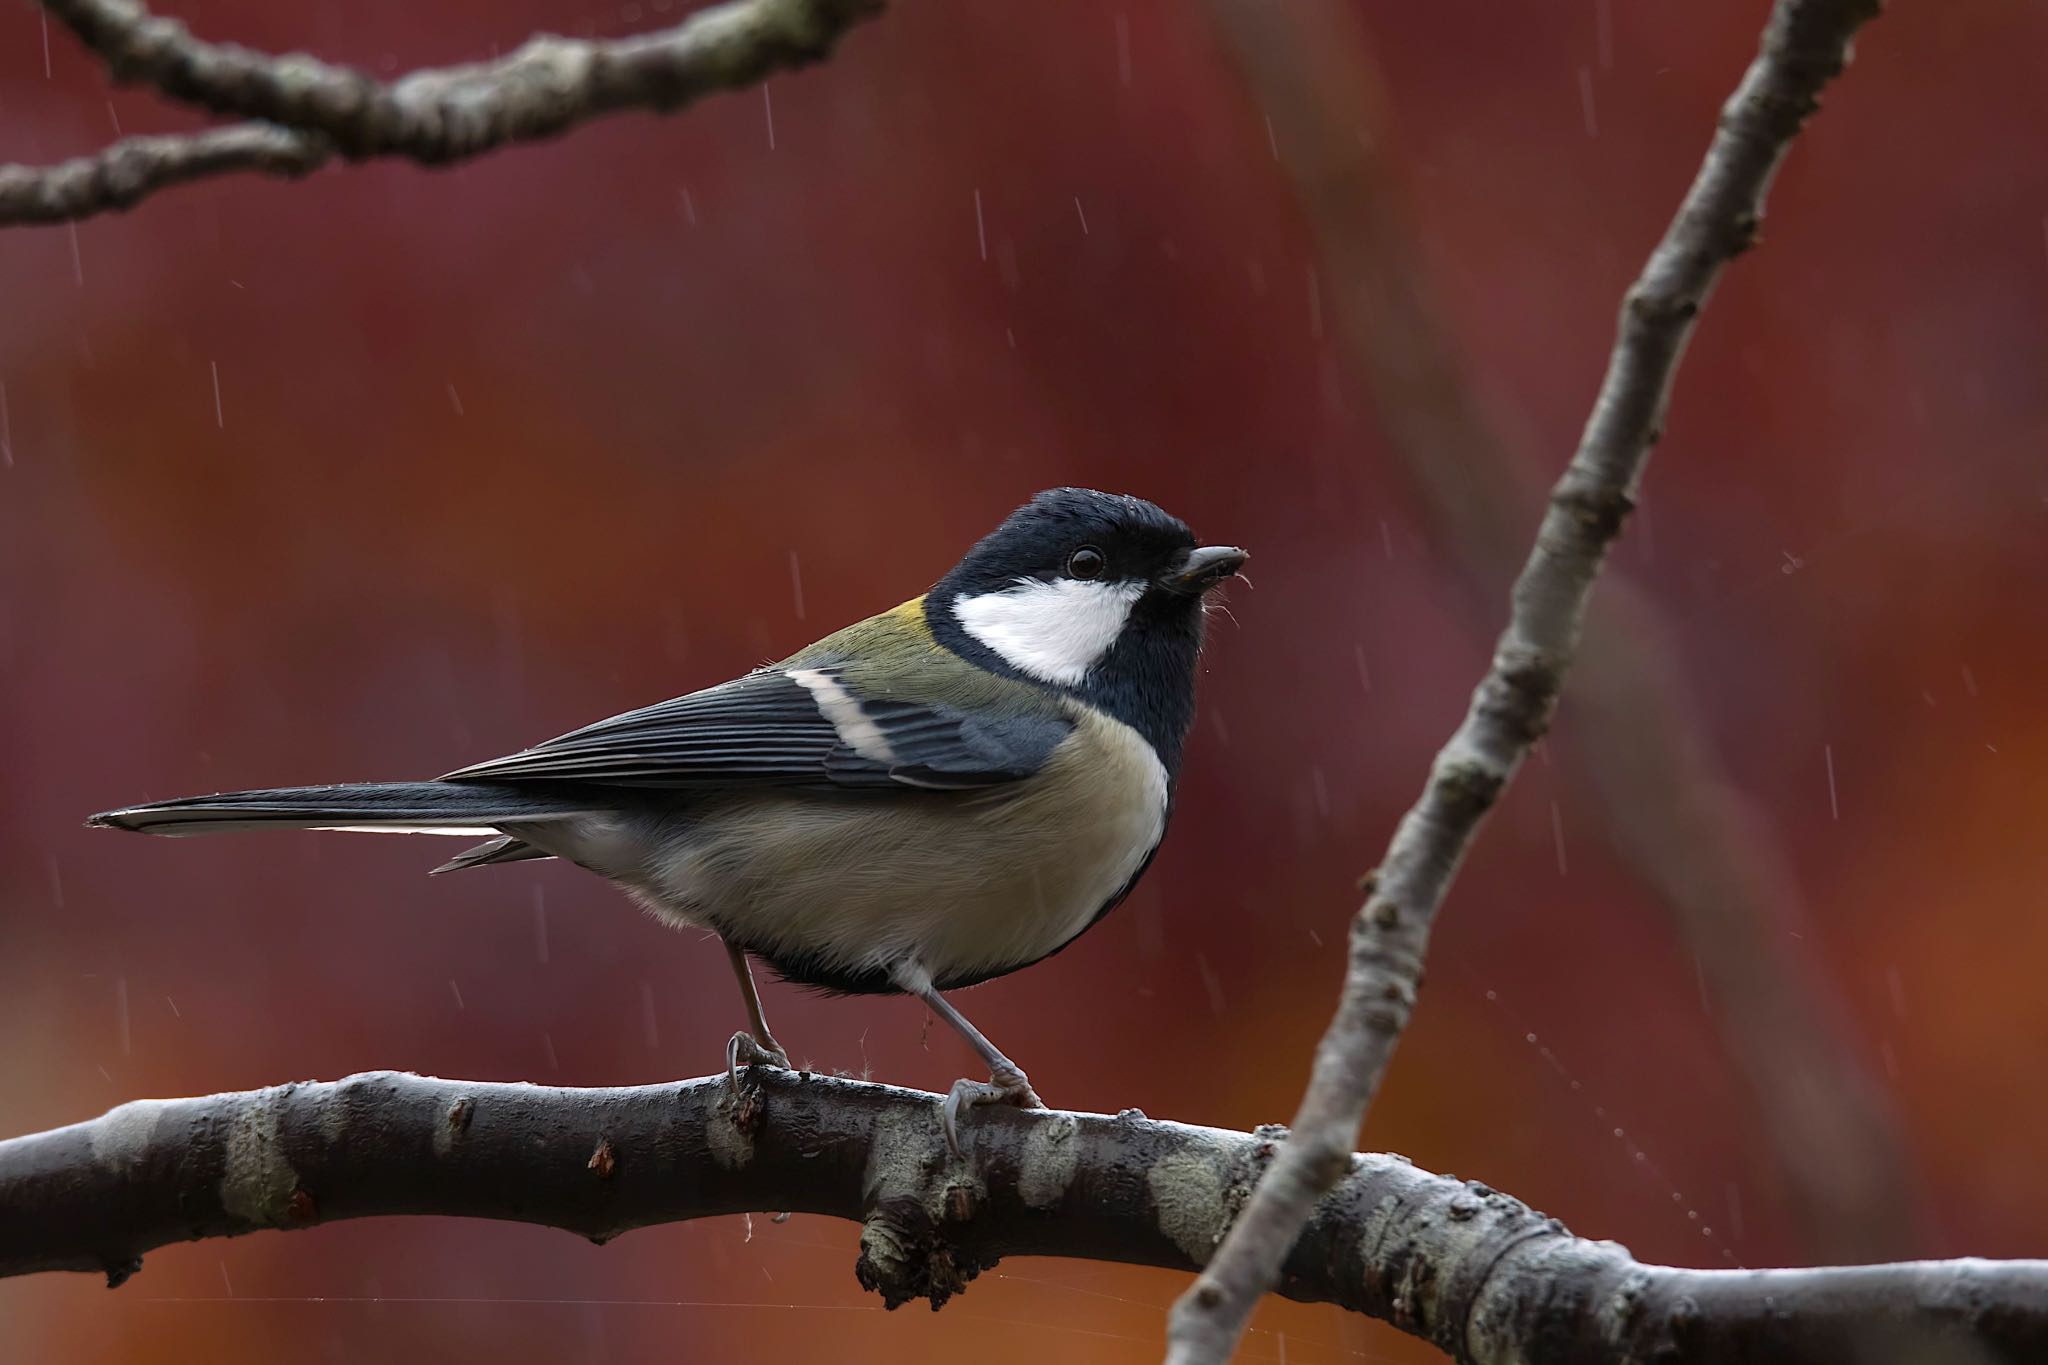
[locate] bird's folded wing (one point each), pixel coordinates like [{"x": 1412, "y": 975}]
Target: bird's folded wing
[{"x": 790, "y": 727}]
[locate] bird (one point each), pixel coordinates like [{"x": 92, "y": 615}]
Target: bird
[{"x": 941, "y": 794}]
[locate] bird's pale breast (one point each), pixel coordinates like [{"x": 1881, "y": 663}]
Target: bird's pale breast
[{"x": 964, "y": 885}]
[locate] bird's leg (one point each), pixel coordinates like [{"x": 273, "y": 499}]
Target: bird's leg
[
  {"x": 755, "y": 1043},
  {"x": 1006, "y": 1083}
]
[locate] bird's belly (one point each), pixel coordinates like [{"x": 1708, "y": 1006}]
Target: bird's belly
[{"x": 841, "y": 891}]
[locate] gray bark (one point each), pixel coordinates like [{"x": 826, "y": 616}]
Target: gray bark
[
  {"x": 312, "y": 111},
  {"x": 1475, "y": 1271}
]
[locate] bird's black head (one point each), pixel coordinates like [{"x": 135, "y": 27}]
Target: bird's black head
[{"x": 1096, "y": 593}]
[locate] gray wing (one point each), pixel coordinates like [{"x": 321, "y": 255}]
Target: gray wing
[{"x": 771, "y": 729}]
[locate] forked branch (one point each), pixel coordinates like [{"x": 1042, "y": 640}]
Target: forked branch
[{"x": 312, "y": 111}]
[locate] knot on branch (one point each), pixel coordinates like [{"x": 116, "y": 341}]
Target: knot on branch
[
  {"x": 1601, "y": 508},
  {"x": 1620, "y": 1315},
  {"x": 1467, "y": 783},
  {"x": 1520, "y": 693},
  {"x": 1659, "y": 309},
  {"x": 1443, "y": 1262},
  {"x": 905, "y": 1254}
]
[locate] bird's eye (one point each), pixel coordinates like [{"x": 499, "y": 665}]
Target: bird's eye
[{"x": 1086, "y": 562}]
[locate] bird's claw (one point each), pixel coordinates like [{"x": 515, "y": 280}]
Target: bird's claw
[
  {"x": 743, "y": 1049},
  {"x": 1002, "y": 1087}
]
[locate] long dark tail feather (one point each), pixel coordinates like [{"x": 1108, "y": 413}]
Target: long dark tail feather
[
  {"x": 391, "y": 807},
  {"x": 503, "y": 849}
]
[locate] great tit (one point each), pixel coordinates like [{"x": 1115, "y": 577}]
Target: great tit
[{"x": 935, "y": 796}]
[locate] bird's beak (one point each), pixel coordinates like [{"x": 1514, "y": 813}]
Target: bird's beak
[{"x": 1204, "y": 567}]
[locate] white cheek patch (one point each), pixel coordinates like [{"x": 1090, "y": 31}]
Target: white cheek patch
[{"x": 1053, "y": 631}]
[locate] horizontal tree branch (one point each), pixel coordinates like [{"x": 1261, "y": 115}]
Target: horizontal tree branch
[
  {"x": 1466, "y": 1267},
  {"x": 1805, "y": 45},
  {"x": 312, "y": 111}
]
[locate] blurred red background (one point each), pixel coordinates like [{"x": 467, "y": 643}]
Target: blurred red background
[{"x": 390, "y": 470}]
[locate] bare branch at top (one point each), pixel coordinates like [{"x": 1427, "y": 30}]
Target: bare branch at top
[
  {"x": 311, "y": 111},
  {"x": 129, "y": 171}
]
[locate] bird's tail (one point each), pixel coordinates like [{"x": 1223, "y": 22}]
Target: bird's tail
[{"x": 464, "y": 808}]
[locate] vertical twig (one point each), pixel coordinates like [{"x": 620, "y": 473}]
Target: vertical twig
[
  {"x": 1659, "y": 789},
  {"x": 1805, "y": 44}
]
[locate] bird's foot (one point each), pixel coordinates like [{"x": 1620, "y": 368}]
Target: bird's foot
[
  {"x": 743, "y": 1049},
  {"x": 1004, "y": 1086}
]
